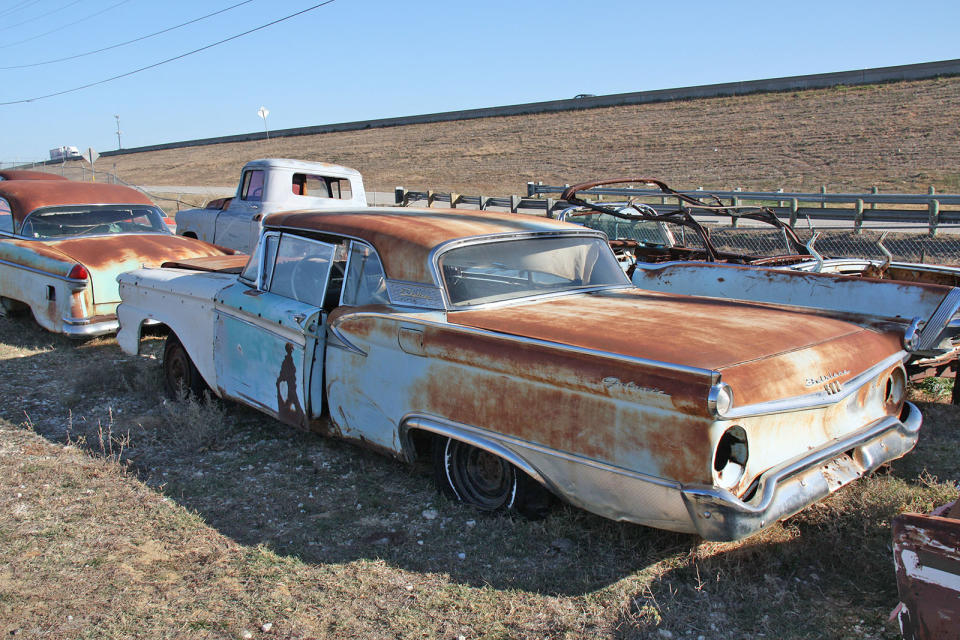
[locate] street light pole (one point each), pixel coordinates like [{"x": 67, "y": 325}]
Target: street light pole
[{"x": 119, "y": 146}]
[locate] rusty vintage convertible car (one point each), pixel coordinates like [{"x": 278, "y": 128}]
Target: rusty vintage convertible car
[
  {"x": 515, "y": 353},
  {"x": 62, "y": 244},
  {"x": 666, "y": 248}
]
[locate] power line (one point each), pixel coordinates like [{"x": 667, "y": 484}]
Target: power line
[
  {"x": 42, "y": 15},
  {"x": 22, "y": 5},
  {"x": 66, "y": 26},
  {"x": 162, "y": 62},
  {"x": 121, "y": 44}
]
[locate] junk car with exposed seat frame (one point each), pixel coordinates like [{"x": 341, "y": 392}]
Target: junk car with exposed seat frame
[{"x": 514, "y": 353}]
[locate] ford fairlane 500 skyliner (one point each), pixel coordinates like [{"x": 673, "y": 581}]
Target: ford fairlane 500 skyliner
[
  {"x": 514, "y": 352},
  {"x": 63, "y": 243}
]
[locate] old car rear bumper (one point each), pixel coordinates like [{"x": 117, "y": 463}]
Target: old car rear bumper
[
  {"x": 90, "y": 327},
  {"x": 791, "y": 486}
]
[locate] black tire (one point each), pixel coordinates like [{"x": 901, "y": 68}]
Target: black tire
[
  {"x": 488, "y": 482},
  {"x": 180, "y": 375}
]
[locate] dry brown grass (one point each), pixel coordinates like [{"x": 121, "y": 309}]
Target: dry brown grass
[
  {"x": 262, "y": 524},
  {"x": 899, "y": 136}
]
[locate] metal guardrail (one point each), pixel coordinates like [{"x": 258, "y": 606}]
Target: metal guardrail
[{"x": 862, "y": 206}]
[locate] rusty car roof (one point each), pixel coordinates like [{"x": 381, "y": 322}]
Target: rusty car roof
[
  {"x": 24, "y": 174},
  {"x": 25, "y": 196},
  {"x": 404, "y": 237}
]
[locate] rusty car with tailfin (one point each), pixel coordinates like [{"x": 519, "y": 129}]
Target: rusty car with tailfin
[
  {"x": 63, "y": 243},
  {"x": 514, "y": 354}
]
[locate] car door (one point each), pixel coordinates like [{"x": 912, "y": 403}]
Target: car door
[
  {"x": 233, "y": 226},
  {"x": 270, "y": 325}
]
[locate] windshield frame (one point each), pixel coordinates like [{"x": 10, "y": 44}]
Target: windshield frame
[
  {"x": 458, "y": 243},
  {"x": 66, "y": 208}
]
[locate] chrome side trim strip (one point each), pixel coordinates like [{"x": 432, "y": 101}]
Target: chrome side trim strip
[
  {"x": 679, "y": 368},
  {"x": 71, "y": 281}
]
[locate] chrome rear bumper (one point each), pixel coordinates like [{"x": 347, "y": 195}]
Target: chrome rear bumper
[{"x": 786, "y": 489}]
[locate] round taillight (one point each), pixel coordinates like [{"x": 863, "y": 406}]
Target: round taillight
[{"x": 79, "y": 272}]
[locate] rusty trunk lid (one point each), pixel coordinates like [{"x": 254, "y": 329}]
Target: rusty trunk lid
[
  {"x": 105, "y": 257},
  {"x": 763, "y": 351}
]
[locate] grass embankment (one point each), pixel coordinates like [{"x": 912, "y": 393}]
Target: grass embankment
[{"x": 123, "y": 515}]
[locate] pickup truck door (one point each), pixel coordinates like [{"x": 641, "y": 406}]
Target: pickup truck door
[
  {"x": 269, "y": 335},
  {"x": 240, "y": 222}
]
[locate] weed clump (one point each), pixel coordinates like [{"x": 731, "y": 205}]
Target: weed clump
[{"x": 191, "y": 423}]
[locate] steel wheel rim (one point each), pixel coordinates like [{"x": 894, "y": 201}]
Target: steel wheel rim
[{"x": 479, "y": 477}]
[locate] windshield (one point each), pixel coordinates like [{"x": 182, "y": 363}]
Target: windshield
[
  {"x": 93, "y": 220},
  {"x": 510, "y": 269},
  {"x": 645, "y": 231}
]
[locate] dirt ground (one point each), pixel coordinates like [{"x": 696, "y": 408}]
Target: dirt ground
[
  {"x": 127, "y": 515},
  {"x": 902, "y": 136}
]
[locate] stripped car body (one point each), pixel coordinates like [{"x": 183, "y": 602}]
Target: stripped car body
[
  {"x": 63, "y": 243},
  {"x": 926, "y": 555},
  {"x": 516, "y": 345},
  {"x": 657, "y": 257}
]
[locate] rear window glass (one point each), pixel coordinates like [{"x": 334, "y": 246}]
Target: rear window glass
[
  {"x": 317, "y": 186},
  {"x": 65, "y": 222}
]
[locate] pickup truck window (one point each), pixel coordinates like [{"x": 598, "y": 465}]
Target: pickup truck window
[
  {"x": 6, "y": 218},
  {"x": 365, "y": 282},
  {"x": 252, "y": 189},
  {"x": 316, "y": 186},
  {"x": 300, "y": 269}
]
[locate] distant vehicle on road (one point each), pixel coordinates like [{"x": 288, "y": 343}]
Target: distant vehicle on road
[{"x": 64, "y": 153}]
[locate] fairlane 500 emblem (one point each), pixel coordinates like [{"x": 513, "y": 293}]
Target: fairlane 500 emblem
[{"x": 812, "y": 382}]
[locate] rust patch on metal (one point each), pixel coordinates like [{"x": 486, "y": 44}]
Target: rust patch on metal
[
  {"x": 926, "y": 552},
  {"x": 149, "y": 250},
  {"x": 404, "y": 237},
  {"x": 289, "y": 410},
  {"x": 25, "y": 196},
  {"x": 221, "y": 264},
  {"x": 23, "y": 174}
]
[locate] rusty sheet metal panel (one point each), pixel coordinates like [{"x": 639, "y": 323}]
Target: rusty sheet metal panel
[
  {"x": 895, "y": 301},
  {"x": 708, "y": 334},
  {"x": 25, "y": 196},
  {"x": 182, "y": 300},
  {"x": 106, "y": 257},
  {"x": 560, "y": 399},
  {"x": 223, "y": 264},
  {"x": 926, "y": 553}
]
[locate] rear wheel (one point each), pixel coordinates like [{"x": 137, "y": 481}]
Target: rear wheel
[
  {"x": 486, "y": 481},
  {"x": 180, "y": 375}
]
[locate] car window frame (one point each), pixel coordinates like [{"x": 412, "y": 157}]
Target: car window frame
[{"x": 9, "y": 216}]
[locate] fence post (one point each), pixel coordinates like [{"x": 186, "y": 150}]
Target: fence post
[
  {"x": 823, "y": 200},
  {"x": 514, "y": 203},
  {"x": 794, "y": 209},
  {"x": 549, "y": 207},
  {"x": 874, "y": 190},
  {"x": 398, "y": 196},
  {"x": 483, "y": 202},
  {"x": 735, "y": 202},
  {"x": 934, "y": 216},
  {"x": 453, "y": 199},
  {"x": 858, "y": 216},
  {"x": 430, "y": 197}
]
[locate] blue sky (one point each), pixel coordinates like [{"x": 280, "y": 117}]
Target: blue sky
[{"x": 360, "y": 59}]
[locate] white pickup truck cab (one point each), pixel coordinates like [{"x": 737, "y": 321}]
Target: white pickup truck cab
[{"x": 266, "y": 186}]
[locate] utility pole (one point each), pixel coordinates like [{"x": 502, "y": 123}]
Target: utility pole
[{"x": 119, "y": 146}]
